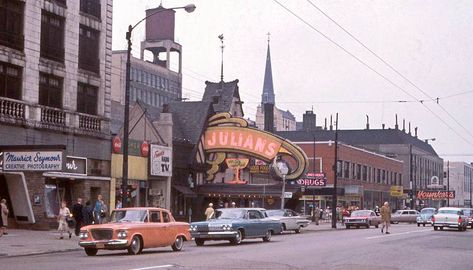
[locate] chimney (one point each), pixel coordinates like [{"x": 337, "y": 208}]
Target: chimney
[
  {"x": 409, "y": 128},
  {"x": 331, "y": 123},
  {"x": 308, "y": 121},
  {"x": 396, "y": 126},
  {"x": 269, "y": 117},
  {"x": 403, "y": 125},
  {"x": 415, "y": 132},
  {"x": 367, "y": 122},
  {"x": 383, "y": 125},
  {"x": 325, "y": 126}
]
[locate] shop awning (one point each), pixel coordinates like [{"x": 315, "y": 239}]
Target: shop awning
[
  {"x": 73, "y": 176},
  {"x": 186, "y": 191}
]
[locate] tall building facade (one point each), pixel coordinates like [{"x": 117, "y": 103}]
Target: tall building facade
[
  {"x": 459, "y": 178},
  {"x": 55, "y": 81},
  {"x": 283, "y": 120}
]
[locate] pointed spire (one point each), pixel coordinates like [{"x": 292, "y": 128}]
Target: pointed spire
[
  {"x": 268, "y": 91},
  {"x": 222, "y": 47}
]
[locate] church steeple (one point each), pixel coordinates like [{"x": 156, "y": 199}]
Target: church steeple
[{"x": 268, "y": 91}]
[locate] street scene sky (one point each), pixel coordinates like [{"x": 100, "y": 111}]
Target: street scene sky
[{"x": 354, "y": 58}]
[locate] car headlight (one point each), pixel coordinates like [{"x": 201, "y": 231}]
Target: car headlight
[
  {"x": 122, "y": 234},
  {"x": 193, "y": 228},
  {"x": 83, "y": 235},
  {"x": 227, "y": 227}
]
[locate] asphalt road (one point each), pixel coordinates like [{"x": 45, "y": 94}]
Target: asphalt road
[{"x": 407, "y": 247}]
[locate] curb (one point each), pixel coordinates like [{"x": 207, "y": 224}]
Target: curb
[{"x": 3, "y": 255}]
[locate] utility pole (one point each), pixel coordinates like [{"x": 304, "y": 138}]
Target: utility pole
[
  {"x": 313, "y": 188},
  {"x": 448, "y": 182},
  {"x": 412, "y": 181},
  {"x": 335, "y": 176}
]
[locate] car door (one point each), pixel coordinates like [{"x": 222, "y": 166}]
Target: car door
[
  {"x": 291, "y": 217},
  {"x": 157, "y": 229},
  {"x": 374, "y": 219},
  {"x": 168, "y": 235},
  {"x": 405, "y": 216},
  {"x": 255, "y": 223}
]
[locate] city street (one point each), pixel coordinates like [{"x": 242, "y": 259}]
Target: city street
[{"x": 407, "y": 247}]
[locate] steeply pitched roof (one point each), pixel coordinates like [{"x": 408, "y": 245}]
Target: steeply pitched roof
[
  {"x": 268, "y": 91},
  {"x": 225, "y": 91},
  {"x": 189, "y": 119},
  {"x": 360, "y": 137}
]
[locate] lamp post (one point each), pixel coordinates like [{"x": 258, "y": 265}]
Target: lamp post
[
  {"x": 189, "y": 8},
  {"x": 284, "y": 170},
  {"x": 335, "y": 177}
]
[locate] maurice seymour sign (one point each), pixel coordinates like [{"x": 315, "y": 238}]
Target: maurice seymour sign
[{"x": 33, "y": 161}]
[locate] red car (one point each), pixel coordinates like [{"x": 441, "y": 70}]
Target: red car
[{"x": 365, "y": 218}]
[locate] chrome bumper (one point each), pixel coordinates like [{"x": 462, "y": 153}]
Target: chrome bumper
[
  {"x": 214, "y": 235},
  {"x": 104, "y": 244}
]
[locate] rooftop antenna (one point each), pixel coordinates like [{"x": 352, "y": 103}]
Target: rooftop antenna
[{"x": 222, "y": 47}]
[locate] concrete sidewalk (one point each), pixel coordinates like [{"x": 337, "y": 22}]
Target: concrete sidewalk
[{"x": 27, "y": 242}]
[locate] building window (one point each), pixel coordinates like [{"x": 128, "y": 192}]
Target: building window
[
  {"x": 91, "y": 7},
  {"x": 52, "y": 36},
  {"x": 364, "y": 173},
  {"x": 11, "y": 24},
  {"x": 89, "y": 43},
  {"x": 346, "y": 169},
  {"x": 87, "y": 96},
  {"x": 384, "y": 177},
  {"x": 10, "y": 81},
  {"x": 50, "y": 90},
  {"x": 378, "y": 176},
  {"x": 353, "y": 171},
  {"x": 358, "y": 171}
]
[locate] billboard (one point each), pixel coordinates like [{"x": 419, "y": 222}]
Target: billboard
[{"x": 160, "y": 160}]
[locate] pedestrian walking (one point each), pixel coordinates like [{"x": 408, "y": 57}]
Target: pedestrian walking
[
  {"x": 4, "y": 217},
  {"x": 87, "y": 214},
  {"x": 316, "y": 215},
  {"x": 385, "y": 217},
  {"x": 100, "y": 210},
  {"x": 64, "y": 213},
  {"x": 209, "y": 212},
  {"x": 376, "y": 210},
  {"x": 77, "y": 214}
]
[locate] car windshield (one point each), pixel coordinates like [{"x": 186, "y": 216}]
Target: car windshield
[
  {"x": 275, "y": 213},
  {"x": 230, "y": 213},
  {"x": 360, "y": 213},
  {"x": 128, "y": 216},
  {"x": 449, "y": 211}
]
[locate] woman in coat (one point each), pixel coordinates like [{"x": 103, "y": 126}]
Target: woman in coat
[
  {"x": 4, "y": 219},
  {"x": 61, "y": 218}
]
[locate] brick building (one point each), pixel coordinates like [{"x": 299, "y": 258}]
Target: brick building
[{"x": 55, "y": 78}]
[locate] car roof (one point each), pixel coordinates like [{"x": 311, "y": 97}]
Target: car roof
[
  {"x": 246, "y": 208},
  {"x": 452, "y": 208},
  {"x": 143, "y": 208}
]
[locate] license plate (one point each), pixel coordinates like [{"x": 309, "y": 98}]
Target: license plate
[{"x": 100, "y": 245}]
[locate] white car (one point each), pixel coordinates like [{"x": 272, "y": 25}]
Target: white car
[
  {"x": 450, "y": 217},
  {"x": 290, "y": 220}
]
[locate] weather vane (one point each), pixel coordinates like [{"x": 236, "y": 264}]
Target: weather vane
[{"x": 222, "y": 46}]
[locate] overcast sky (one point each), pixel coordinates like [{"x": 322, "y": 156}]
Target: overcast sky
[{"x": 428, "y": 42}]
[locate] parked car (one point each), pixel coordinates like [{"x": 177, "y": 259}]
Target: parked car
[
  {"x": 290, "y": 220},
  {"x": 404, "y": 216},
  {"x": 450, "y": 217},
  {"x": 425, "y": 216},
  {"x": 235, "y": 225},
  {"x": 134, "y": 229},
  {"x": 469, "y": 213},
  {"x": 365, "y": 218}
]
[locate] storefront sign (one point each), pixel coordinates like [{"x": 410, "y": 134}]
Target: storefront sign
[
  {"x": 396, "y": 191},
  {"x": 144, "y": 149},
  {"x": 435, "y": 195},
  {"x": 287, "y": 195},
  {"x": 116, "y": 145},
  {"x": 227, "y": 134},
  {"x": 33, "y": 161},
  {"x": 236, "y": 164},
  {"x": 160, "y": 160},
  {"x": 259, "y": 169},
  {"x": 76, "y": 165},
  {"x": 353, "y": 190},
  {"x": 313, "y": 180}
]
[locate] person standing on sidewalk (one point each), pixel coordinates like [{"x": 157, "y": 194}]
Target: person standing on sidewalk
[
  {"x": 64, "y": 213},
  {"x": 385, "y": 217},
  {"x": 209, "y": 212},
  {"x": 4, "y": 217},
  {"x": 87, "y": 214},
  {"x": 316, "y": 215},
  {"x": 100, "y": 210},
  {"x": 77, "y": 214}
]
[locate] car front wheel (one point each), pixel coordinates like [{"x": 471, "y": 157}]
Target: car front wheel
[
  {"x": 267, "y": 237},
  {"x": 436, "y": 228},
  {"x": 91, "y": 251},
  {"x": 199, "y": 242},
  {"x": 177, "y": 246},
  {"x": 237, "y": 239},
  {"x": 136, "y": 246}
]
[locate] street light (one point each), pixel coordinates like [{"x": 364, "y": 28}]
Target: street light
[
  {"x": 188, "y": 8},
  {"x": 284, "y": 170}
]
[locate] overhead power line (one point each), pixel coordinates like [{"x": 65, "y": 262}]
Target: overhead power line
[{"x": 372, "y": 69}]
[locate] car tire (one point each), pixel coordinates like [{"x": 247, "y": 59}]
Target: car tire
[
  {"x": 423, "y": 224},
  {"x": 267, "y": 237},
  {"x": 136, "y": 245},
  {"x": 348, "y": 227},
  {"x": 91, "y": 251},
  {"x": 377, "y": 225},
  {"x": 237, "y": 239},
  {"x": 199, "y": 242},
  {"x": 441, "y": 228},
  {"x": 297, "y": 230},
  {"x": 178, "y": 243},
  {"x": 357, "y": 226},
  {"x": 436, "y": 228},
  {"x": 283, "y": 227},
  {"x": 418, "y": 225}
]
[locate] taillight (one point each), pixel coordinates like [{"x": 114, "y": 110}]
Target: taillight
[
  {"x": 459, "y": 219},
  {"x": 433, "y": 219}
]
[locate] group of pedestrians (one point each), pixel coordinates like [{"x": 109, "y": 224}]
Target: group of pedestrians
[{"x": 81, "y": 215}]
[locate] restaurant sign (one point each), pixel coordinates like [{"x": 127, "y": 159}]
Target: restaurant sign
[
  {"x": 227, "y": 134},
  {"x": 160, "y": 160},
  {"x": 435, "y": 195},
  {"x": 33, "y": 160}
]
